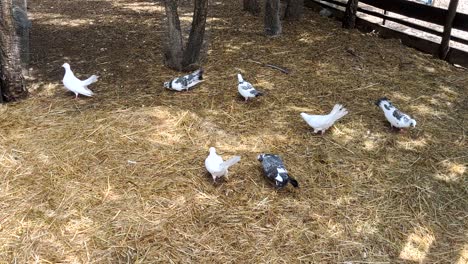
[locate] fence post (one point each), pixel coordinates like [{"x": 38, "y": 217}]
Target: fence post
[
  {"x": 349, "y": 20},
  {"x": 445, "y": 43},
  {"x": 384, "y": 20}
]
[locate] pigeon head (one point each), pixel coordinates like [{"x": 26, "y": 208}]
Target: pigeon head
[
  {"x": 260, "y": 157},
  {"x": 212, "y": 150},
  {"x": 66, "y": 65},
  {"x": 384, "y": 103},
  {"x": 166, "y": 85},
  {"x": 413, "y": 123},
  {"x": 281, "y": 178},
  {"x": 382, "y": 100}
]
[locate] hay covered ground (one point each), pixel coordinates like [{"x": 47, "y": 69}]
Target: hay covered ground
[{"x": 119, "y": 178}]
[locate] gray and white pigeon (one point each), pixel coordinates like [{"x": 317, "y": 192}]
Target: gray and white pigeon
[
  {"x": 323, "y": 122},
  {"x": 216, "y": 166},
  {"x": 185, "y": 82},
  {"x": 274, "y": 170},
  {"x": 246, "y": 89},
  {"x": 325, "y": 12},
  {"x": 396, "y": 118},
  {"x": 76, "y": 85}
]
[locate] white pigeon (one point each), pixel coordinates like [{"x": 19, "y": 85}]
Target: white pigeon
[
  {"x": 396, "y": 118},
  {"x": 185, "y": 82},
  {"x": 246, "y": 89},
  {"x": 216, "y": 166},
  {"x": 76, "y": 85},
  {"x": 323, "y": 122}
]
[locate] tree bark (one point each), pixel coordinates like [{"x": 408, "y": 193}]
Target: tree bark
[
  {"x": 349, "y": 20},
  {"x": 445, "y": 43},
  {"x": 12, "y": 86},
  {"x": 272, "y": 19},
  {"x": 191, "y": 54},
  {"x": 173, "y": 53},
  {"x": 294, "y": 10},
  {"x": 23, "y": 25},
  {"x": 252, "y": 6}
]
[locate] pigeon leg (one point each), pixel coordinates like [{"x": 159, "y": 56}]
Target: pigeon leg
[
  {"x": 76, "y": 96},
  {"x": 321, "y": 132}
]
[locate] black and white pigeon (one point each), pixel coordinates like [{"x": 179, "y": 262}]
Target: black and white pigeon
[
  {"x": 246, "y": 89},
  {"x": 216, "y": 166},
  {"x": 274, "y": 169},
  {"x": 76, "y": 85},
  {"x": 185, "y": 82},
  {"x": 396, "y": 118},
  {"x": 323, "y": 122}
]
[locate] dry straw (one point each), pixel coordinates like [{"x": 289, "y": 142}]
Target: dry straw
[{"x": 119, "y": 178}]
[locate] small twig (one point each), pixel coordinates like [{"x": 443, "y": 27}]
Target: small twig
[
  {"x": 326, "y": 51},
  {"x": 362, "y": 88},
  {"x": 339, "y": 145},
  {"x": 353, "y": 52},
  {"x": 283, "y": 70},
  {"x": 415, "y": 161},
  {"x": 277, "y": 67}
]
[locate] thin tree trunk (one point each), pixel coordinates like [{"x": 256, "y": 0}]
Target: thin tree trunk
[
  {"x": 12, "y": 85},
  {"x": 445, "y": 43},
  {"x": 272, "y": 19},
  {"x": 191, "y": 54},
  {"x": 252, "y": 6},
  {"x": 174, "y": 50},
  {"x": 294, "y": 10},
  {"x": 349, "y": 20}
]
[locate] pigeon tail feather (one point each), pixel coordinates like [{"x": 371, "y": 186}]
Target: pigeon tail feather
[
  {"x": 86, "y": 92},
  {"x": 338, "y": 112},
  {"x": 90, "y": 80},
  {"x": 228, "y": 163},
  {"x": 293, "y": 182}
]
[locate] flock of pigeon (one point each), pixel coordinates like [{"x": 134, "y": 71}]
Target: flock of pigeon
[{"x": 272, "y": 164}]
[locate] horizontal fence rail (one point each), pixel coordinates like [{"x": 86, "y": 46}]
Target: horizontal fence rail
[
  {"x": 412, "y": 10},
  {"x": 435, "y": 15},
  {"x": 419, "y": 11}
]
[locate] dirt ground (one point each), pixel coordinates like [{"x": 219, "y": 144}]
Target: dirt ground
[{"x": 119, "y": 177}]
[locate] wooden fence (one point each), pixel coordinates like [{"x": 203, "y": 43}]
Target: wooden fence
[{"x": 447, "y": 18}]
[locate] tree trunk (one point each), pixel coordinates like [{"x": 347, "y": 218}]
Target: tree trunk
[
  {"x": 177, "y": 56},
  {"x": 272, "y": 19},
  {"x": 349, "y": 20},
  {"x": 12, "y": 85},
  {"x": 252, "y": 6},
  {"x": 197, "y": 33},
  {"x": 173, "y": 53},
  {"x": 294, "y": 10}
]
